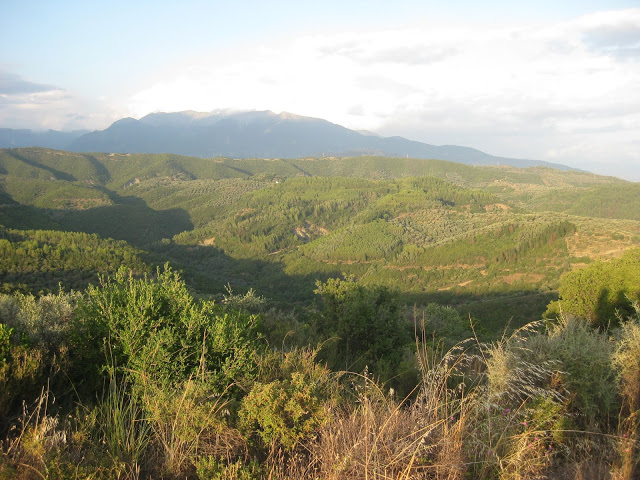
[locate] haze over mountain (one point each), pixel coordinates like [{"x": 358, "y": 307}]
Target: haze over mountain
[
  {"x": 11, "y": 138},
  {"x": 261, "y": 134}
]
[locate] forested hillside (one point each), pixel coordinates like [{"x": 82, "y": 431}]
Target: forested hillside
[
  {"x": 435, "y": 231},
  {"x": 44, "y": 260}
]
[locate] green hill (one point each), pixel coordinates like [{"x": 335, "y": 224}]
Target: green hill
[
  {"x": 45, "y": 260},
  {"x": 603, "y": 201},
  {"x": 433, "y": 230}
]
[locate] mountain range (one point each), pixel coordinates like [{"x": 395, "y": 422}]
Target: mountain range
[{"x": 256, "y": 134}]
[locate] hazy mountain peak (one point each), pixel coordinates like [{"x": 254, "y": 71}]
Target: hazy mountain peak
[
  {"x": 368, "y": 133},
  {"x": 290, "y": 116},
  {"x": 174, "y": 118},
  {"x": 242, "y": 134},
  {"x": 124, "y": 121}
]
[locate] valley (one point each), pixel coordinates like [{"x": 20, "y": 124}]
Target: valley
[{"x": 435, "y": 231}]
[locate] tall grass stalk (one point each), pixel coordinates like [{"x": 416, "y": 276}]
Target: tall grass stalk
[
  {"x": 517, "y": 410},
  {"x": 627, "y": 361},
  {"x": 37, "y": 435},
  {"x": 125, "y": 431},
  {"x": 380, "y": 437},
  {"x": 188, "y": 422}
]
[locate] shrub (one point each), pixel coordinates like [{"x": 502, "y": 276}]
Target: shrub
[
  {"x": 601, "y": 291},
  {"x": 626, "y": 360},
  {"x": 368, "y": 322},
  {"x": 20, "y": 374},
  {"x": 442, "y": 322},
  {"x": 33, "y": 348},
  {"x": 154, "y": 328},
  {"x": 188, "y": 421},
  {"x": 249, "y": 302},
  {"x": 43, "y": 320},
  {"x": 583, "y": 371},
  {"x": 290, "y": 407}
]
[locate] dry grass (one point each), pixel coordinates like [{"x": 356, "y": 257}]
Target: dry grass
[
  {"x": 480, "y": 412},
  {"x": 187, "y": 424},
  {"x": 36, "y": 435},
  {"x": 627, "y": 360},
  {"x": 375, "y": 438}
]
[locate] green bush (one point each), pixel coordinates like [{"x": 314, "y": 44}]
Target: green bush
[
  {"x": 33, "y": 348},
  {"x": 154, "y": 328},
  {"x": 188, "y": 420},
  {"x": 583, "y": 371},
  {"x": 289, "y": 408},
  {"x": 601, "y": 292},
  {"x": 20, "y": 374},
  {"x": 44, "y": 320},
  {"x": 442, "y": 322},
  {"x": 368, "y": 323}
]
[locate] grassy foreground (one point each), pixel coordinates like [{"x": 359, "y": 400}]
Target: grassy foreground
[{"x": 136, "y": 378}]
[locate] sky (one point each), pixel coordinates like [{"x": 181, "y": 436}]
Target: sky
[{"x": 546, "y": 80}]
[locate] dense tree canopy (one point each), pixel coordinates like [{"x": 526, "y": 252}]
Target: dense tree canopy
[
  {"x": 601, "y": 292},
  {"x": 367, "y": 321}
]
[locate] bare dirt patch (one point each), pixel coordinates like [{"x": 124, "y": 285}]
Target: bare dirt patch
[
  {"x": 309, "y": 230},
  {"x": 493, "y": 207},
  {"x": 596, "y": 247},
  {"x": 529, "y": 277}
]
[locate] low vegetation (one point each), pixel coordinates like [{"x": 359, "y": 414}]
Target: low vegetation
[{"x": 135, "y": 378}]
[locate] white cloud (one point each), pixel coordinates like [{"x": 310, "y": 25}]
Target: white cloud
[
  {"x": 27, "y": 104},
  {"x": 12, "y": 84},
  {"x": 537, "y": 78}
]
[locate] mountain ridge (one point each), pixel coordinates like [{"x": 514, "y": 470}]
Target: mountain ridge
[{"x": 249, "y": 134}]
